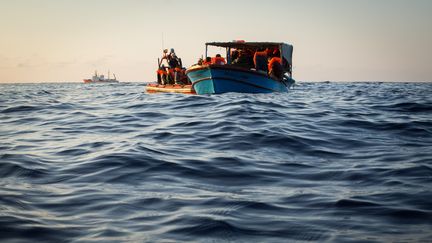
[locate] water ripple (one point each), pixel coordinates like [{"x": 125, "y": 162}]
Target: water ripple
[{"x": 348, "y": 162}]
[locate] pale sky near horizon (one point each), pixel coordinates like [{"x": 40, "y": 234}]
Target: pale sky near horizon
[{"x": 337, "y": 40}]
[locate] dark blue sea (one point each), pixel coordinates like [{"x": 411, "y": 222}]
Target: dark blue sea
[{"x": 326, "y": 162}]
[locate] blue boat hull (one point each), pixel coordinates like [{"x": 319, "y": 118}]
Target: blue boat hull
[{"x": 216, "y": 79}]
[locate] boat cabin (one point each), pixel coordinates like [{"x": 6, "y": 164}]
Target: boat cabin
[{"x": 273, "y": 49}]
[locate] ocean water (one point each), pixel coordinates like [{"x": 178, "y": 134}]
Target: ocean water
[{"x": 326, "y": 162}]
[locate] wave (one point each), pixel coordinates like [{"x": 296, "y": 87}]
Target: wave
[{"x": 325, "y": 162}]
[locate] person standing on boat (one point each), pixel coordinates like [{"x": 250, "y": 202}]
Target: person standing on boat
[
  {"x": 234, "y": 54},
  {"x": 260, "y": 60},
  {"x": 173, "y": 60},
  {"x": 162, "y": 73},
  {"x": 275, "y": 69},
  {"x": 207, "y": 61},
  {"x": 218, "y": 60},
  {"x": 276, "y": 53},
  {"x": 164, "y": 59},
  {"x": 175, "y": 67},
  {"x": 244, "y": 59}
]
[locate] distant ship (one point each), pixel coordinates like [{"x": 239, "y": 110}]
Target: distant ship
[{"x": 101, "y": 79}]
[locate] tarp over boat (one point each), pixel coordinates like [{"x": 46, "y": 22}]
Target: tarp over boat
[{"x": 286, "y": 49}]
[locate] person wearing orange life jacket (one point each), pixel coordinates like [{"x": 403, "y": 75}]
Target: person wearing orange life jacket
[
  {"x": 276, "y": 53},
  {"x": 218, "y": 60},
  {"x": 275, "y": 69},
  {"x": 162, "y": 74},
  {"x": 175, "y": 67},
  {"x": 170, "y": 69},
  {"x": 260, "y": 60},
  {"x": 207, "y": 61}
]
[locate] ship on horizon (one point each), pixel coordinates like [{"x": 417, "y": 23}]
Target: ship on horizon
[{"x": 101, "y": 78}]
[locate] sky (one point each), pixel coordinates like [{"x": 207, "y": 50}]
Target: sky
[{"x": 336, "y": 40}]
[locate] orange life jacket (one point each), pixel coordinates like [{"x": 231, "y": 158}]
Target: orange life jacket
[
  {"x": 171, "y": 71},
  {"x": 218, "y": 60},
  {"x": 272, "y": 61},
  {"x": 259, "y": 53},
  {"x": 161, "y": 72}
]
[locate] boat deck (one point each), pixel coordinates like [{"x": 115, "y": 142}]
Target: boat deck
[{"x": 176, "y": 88}]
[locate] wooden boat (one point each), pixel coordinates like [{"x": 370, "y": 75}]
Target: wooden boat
[
  {"x": 176, "y": 88},
  {"x": 216, "y": 79}
]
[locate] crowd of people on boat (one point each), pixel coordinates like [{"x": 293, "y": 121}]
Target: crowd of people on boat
[
  {"x": 171, "y": 70},
  {"x": 264, "y": 60},
  {"x": 218, "y": 60}
]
